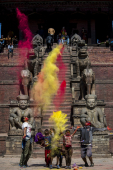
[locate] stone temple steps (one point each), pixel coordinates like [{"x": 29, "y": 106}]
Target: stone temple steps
[{"x": 65, "y": 107}]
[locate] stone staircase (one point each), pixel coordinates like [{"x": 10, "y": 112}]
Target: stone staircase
[{"x": 66, "y": 105}]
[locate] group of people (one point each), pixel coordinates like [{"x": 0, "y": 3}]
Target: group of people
[
  {"x": 61, "y": 150},
  {"x": 61, "y": 38},
  {"x": 8, "y": 42},
  {"x": 107, "y": 42}
]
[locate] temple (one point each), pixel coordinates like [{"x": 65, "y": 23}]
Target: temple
[
  {"x": 94, "y": 17},
  {"x": 89, "y": 75}
]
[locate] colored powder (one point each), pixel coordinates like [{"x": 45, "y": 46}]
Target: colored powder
[
  {"x": 25, "y": 44},
  {"x": 47, "y": 82},
  {"x": 108, "y": 128},
  {"x": 59, "y": 98},
  {"x": 59, "y": 120}
]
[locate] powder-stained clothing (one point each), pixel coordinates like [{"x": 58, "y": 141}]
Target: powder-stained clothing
[
  {"x": 86, "y": 139},
  {"x": 47, "y": 140},
  {"x": 68, "y": 155},
  {"x": 67, "y": 141},
  {"x": 47, "y": 156},
  {"x": 87, "y": 133}
]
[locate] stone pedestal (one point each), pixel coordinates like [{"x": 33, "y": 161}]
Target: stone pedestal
[
  {"x": 14, "y": 143},
  {"x": 75, "y": 85},
  {"x": 100, "y": 144}
]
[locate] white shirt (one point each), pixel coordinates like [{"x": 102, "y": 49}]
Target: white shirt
[
  {"x": 28, "y": 126},
  {"x": 10, "y": 46}
]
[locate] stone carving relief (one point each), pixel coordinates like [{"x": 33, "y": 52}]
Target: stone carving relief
[
  {"x": 37, "y": 42},
  {"x": 92, "y": 113}
]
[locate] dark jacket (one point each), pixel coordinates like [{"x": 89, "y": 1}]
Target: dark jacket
[
  {"x": 86, "y": 134},
  {"x": 49, "y": 39}
]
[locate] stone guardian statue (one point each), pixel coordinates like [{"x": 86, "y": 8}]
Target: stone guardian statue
[
  {"x": 17, "y": 113},
  {"x": 92, "y": 113}
]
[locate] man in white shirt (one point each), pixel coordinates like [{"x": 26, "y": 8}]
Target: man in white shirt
[
  {"x": 26, "y": 143},
  {"x": 10, "y": 50}
]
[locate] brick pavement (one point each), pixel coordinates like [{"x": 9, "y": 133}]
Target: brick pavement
[{"x": 11, "y": 163}]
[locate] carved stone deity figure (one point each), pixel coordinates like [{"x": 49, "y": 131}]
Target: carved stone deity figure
[
  {"x": 92, "y": 113},
  {"x": 82, "y": 61},
  {"x": 87, "y": 83},
  {"x": 19, "y": 112}
]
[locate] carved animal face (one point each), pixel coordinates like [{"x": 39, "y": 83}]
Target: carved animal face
[
  {"x": 91, "y": 103},
  {"x": 23, "y": 104}
]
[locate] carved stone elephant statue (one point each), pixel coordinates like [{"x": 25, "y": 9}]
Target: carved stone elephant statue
[{"x": 87, "y": 83}]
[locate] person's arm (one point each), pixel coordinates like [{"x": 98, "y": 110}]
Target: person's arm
[
  {"x": 25, "y": 129},
  {"x": 98, "y": 129},
  {"x": 75, "y": 130}
]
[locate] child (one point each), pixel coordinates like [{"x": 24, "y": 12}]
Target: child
[
  {"x": 67, "y": 141},
  {"x": 62, "y": 153},
  {"x": 56, "y": 152},
  {"x": 47, "y": 141}
]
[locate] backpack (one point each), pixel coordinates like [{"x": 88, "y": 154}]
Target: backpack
[{"x": 86, "y": 136}]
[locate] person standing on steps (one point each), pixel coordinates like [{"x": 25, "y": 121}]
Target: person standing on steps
[
  {"x": 51, "y": 32},
  {"x": 10, "y": 50},
  {"x": 49, "y": 41},
  {"x": 86, "y": 134}
]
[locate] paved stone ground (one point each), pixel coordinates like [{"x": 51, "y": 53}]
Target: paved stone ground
[{"x": 8, "y": 163}]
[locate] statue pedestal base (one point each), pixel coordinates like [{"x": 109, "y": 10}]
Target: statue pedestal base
[
  {"x": 101, "y": 144},
  {"x": 14, "y": 143}
]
